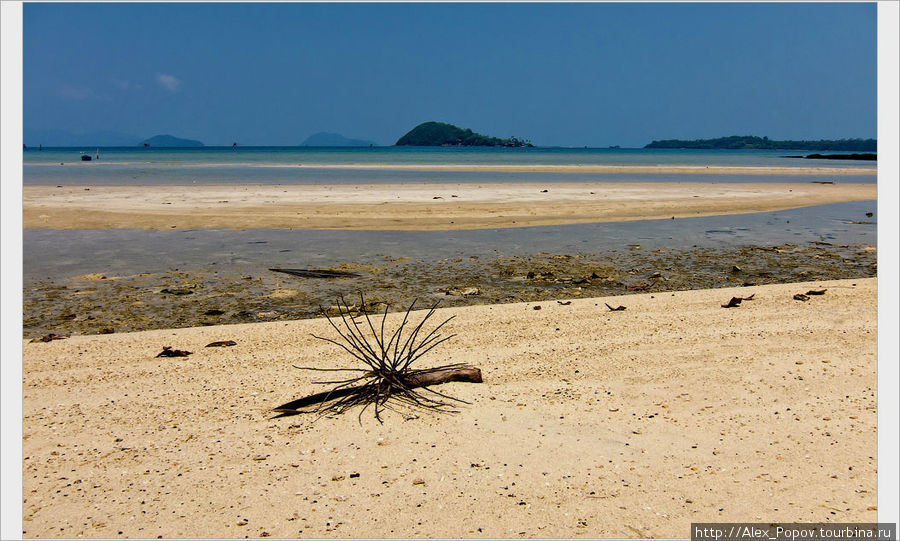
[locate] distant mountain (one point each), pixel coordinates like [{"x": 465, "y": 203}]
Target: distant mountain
[
  {"x": 764, "y": 143},
  {"x": 431, "y": 134},
  {"x": 325, "y": 139},
  {"x": 169, "y": 141},
  {"x": 62, "y": 138}
]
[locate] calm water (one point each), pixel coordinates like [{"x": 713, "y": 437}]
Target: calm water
[
  {"x": 297, "y": 165},
  {"x": 52, "y": 254}
]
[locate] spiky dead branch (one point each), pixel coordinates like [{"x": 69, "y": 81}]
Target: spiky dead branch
[{"x": 387, "y": 379}]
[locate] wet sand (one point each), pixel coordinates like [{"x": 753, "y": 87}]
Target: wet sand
[
  {"x": 212, "y": 294},
  {"x": 589, "y": 423},
  {"x": 424, "y": 206}
]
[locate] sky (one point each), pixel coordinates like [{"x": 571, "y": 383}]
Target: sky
[{"x": 557, "y": 74}]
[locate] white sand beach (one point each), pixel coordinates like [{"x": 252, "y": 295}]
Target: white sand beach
[{"x": 589, "y": 423}]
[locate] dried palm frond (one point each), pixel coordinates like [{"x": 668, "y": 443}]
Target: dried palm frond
[{"x": 387, "y": 379}]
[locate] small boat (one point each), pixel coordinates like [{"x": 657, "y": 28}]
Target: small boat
[{"x": 85, "y": 157}]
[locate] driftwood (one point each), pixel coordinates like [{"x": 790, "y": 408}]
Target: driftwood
[
  {"x": 221, "y": 343},
  {"x": 387, "y": 379},
  {"x": 616, "y": 309},
  {"x": 805, "y": 296},
  {"x": 169, "y": 352},
  {"x": 736, "y": 301},
  {"x": 413, "y": 380},
  {"x": 317, "y": 273}
]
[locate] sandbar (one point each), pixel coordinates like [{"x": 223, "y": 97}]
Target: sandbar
[
  {"x": 413, "y": 206},
  {"x": 589, "y": 423}
]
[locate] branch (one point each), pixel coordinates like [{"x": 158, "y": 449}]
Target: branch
[{"x": 411, "y": 380}]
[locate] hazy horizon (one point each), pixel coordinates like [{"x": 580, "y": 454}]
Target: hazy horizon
[
  {"x": 304, "y": 145},
  {"x": 569, "y": 75}
]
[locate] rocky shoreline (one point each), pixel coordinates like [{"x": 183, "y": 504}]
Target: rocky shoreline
[{"x": 98, "y": 303}]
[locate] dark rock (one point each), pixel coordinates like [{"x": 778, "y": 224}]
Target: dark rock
[
  {"x": 177, "y": 291},
  {"x": 50, "y": 337}
]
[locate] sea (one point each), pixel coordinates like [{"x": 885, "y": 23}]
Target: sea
[
  {"x": 52, "y": 253},
  {"x": 313, "y": 165}
]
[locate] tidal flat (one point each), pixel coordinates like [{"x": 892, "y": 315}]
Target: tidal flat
[{"x": 97, "y": 303}]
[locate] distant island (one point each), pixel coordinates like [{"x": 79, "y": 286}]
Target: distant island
[
  {"x": 325, "y": 139},
  {"x": 864, "y": 157},
  {"x": 751, "y": 142},
  {"x": 169, "y": 141},
  {"x": 433, "y": 134}
]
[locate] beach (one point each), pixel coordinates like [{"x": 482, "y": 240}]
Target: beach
[
  {"x": 638, "y": 247},
  {"x": 411, "y": 206},
  {"x": 589, "y": 423}
]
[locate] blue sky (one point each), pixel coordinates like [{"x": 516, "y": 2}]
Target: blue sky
[{"x": 567, "y": 75}]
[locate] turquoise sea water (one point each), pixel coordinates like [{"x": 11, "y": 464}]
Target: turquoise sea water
[
  {"x": 55, "y": 253},
  {"x": 307, "y": 165}
]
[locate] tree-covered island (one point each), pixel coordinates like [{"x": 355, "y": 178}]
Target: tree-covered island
[
  {"x": 432, "y": 134},
  {"x": 751, "y": 142}
]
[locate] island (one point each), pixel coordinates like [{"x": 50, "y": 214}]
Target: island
[
  {"x": 751, "y": 142},
  {"x": 169, "y": 141},
  {"x": 326, "y": 139},
  {"x": 864, "y": 157},
  {"x": 432, "y": 134}
]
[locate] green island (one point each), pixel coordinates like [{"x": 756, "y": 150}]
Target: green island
[
  {"x": 432, "y": 134},
  {"x": 752, "y": 142}
]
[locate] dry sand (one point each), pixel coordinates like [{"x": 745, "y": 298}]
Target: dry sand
[
  {"x": 411, "y": 206},
  {"x": 589, "y": 423}
]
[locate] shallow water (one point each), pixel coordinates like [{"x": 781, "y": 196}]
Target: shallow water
[
  {"x": 297, "y": 165},
  {"x": 435, "y": 156},
  {"x": 51, "y": 254},
  {"x": 158, "y": 174}
]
